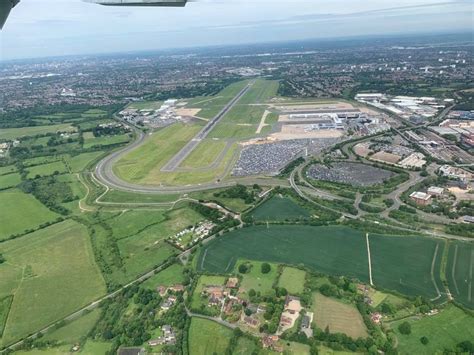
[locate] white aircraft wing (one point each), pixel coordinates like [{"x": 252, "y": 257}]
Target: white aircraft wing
[{"x": 5, "y": 7}]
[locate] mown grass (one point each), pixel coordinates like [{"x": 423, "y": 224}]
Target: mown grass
[
  {"x": 255, "y": 279},
  {"x": 279, "y": 208},
  {"x": 292, "y": 279},
  {"x": 46, "y": 169},
  {"x": 9, "y": 180},
  {"x": 444, "y": 330},
  {"x": 20, "y": 212},
  {"x": 205, "y": 154},
  {"x": 51, "y": 273},
  {"x": 168, "y": 277},
  {"x": 12, "y": 133},
  {"x": 106, "y": 140},
  {"x": 338, "y": 317},
  {"x": 76, "y": 330},
  {"x": 207, "y": 337},
  {"x": 79, "y": 162}
]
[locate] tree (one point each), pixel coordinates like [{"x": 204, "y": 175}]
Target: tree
[
  {"x": 252, "y": 292},
  {"x": 243, "y": 268},
  {"x": 405, "y": 328},
  {"x": 424, "y": 340},
  {"x": 2, "y": 259},
  {"x": 466, "y": 347},
  {"x": 266, "y": 268}
]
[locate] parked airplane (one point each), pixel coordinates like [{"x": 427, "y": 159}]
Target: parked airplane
[{"x": 7, "y": 5}]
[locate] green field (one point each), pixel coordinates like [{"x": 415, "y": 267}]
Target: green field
[
  {"x": 459, "y": 272},
  {"x": 131, "y": 197},
  {"x": 10, "y": 180},
  {"x": 207, "y": 337},
  {"x": 338, "y": 317},
  {"x": 205, "y": 154},
  {"x": 399, "y": 263},
  {"x": 444, "y": 330},
  {"x": 204, "y": 280},
  {"x": 7, "y": 169},
  {"x": 257, "y": 281},
  {"x": 292, "y": 279},
  {"x": 279, "y": 208},
  {"x": 12, "y": 133},
  {"x": 46, "y": 169},
  {"x": 50, "y": 273},
  {"x": 234, "y": 204},
  {"x": 105, "y": 140},
  {"x": 5, "y": 303},
  {"x": 168, "y": 277},
  {"x": 20, "y": 212},
  {"x": 79, "y": 162}
]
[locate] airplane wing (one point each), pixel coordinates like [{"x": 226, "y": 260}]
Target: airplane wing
[{"x": 5, "y": 7}]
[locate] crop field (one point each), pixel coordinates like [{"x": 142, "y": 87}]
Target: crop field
[
  {"x": 459, "y": 272},
  {"x": 338, "y": 317},
  {"x": 207, "y": 337},
  {"x": 279, "y": 208},
  {"x": 255, "y": 279},
  {"x": 402, "y": 264},
  {"x": 12, "y": 133},
  {"x": 292, "y": 279},
  {"x": 168, "y": 277},
  {"x": 50, "y": 273},
  {"x": 46, "y": 169},
  {"x": 20, "y": 212},
  {"x": 9, "y": 180},
  {"x": 444, "y": 330},
  {"x": 205, "y": 154}
]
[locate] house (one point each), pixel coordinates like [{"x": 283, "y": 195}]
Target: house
[
  {"x": 262, "y": 308},
  {"x": 285, "y": 321},
  {"x": 251, "y": 322},
  {"x": 233, "y": 282},
  {"x": 271, "y": 342},
  {"x": 161, "y": 290},
  {"x": 435, "y": 191},
  {"x": 376, "y": 317},
  {"x": 176, "y": 288},
  {"x": 168, "y": 337},
  {"x": 421, "y": 198},
  {"x": 168, "y": 303}
]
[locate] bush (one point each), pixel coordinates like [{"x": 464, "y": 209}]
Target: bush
[
  {"x": 424, "y": 340},
  {"x": 243, "y": 268},
  {"x": 266, "y": 268},
  {"x": 405, "y": 328}
]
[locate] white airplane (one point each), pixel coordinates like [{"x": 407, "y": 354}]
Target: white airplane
[{"x": 7, "y": 5}]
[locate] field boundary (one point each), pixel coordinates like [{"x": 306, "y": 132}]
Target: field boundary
[{"x": 433, "y": 264}]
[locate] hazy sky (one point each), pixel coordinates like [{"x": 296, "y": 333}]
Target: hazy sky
[{"x": 39, "y": 28}]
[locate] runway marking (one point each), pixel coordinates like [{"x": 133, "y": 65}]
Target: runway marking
[{"x": 369, "y": 258}]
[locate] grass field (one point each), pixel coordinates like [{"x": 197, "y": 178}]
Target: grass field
[
  {"x": 279, "y": 208},
  {"x": 257, "y": 281},
  {"x": 46, "y": 169},
  {"x": 9, "y": 180},
  {"x": 50, "y": 273},
  {"x": 5, "y": 303},
  {"x": 444, "y": 330},
  {"x": 130, "y": 197},
  {"x": 245, "y": 346},
  {"x": 20, "y": 212},
  {"x": 234, "y": 204},
  {"x": 7, "y": 169},
  {"x": 79, "y": 162},
  {"x": 292, "y": 279},
  {"x": 338, "y": 317},
  {"x": 402, "y": 264},
  {"x": 205, "y": 154},
  {"x": 106, "y": 140},
  {"x": 168, "y": 277},
  {"x": 12, "y": 133},
  {"x": 73, "y": 332},
  {"x": 207, "y": 337},
  {"x": 459, "y": 272}
]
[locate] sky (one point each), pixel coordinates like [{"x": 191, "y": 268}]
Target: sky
[{"x": 39, "y": 28}]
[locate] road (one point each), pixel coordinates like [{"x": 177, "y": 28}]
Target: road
[{"x": 176, "y": 161}]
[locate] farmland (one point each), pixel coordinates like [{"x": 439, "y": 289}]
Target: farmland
[
  {"x": 334, "y": 251},
  {"x": 9, "y": 180},
  {"x": 338, "y": 317},
  {"x": 23, "y": 212},
  {"x": 56, "y": 258},
  {"x": 207, "y": 337},
  {"x": 444, "y": 331},
  {"x": 12, "y": 133},
  {"x": 168, "y": 277},
  {"x": 459, "y": 272},
  {"x": 279, "y": 208},
  {"x": 46, "y": 169},
  {"x": 292, "y": 279}
]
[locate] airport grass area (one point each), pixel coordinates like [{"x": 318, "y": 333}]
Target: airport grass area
[
  {"x": 338, "y": 317},
  {"x": 444, "y": 331},
  {"x": 50, "y": 273},
  {"x": 23, "y": 212},
  {"x": 279, "y": 208},
  {"x": 207, "y": 337},
  {"x": 205, "y": 154},
  {"x": 403, "y": 264}
]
